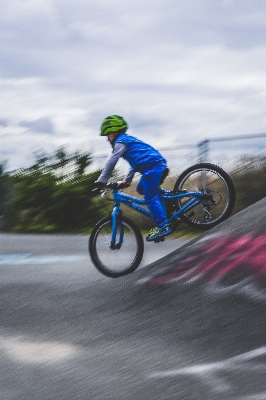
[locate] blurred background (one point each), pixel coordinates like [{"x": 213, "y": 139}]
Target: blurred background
[{"x": 55, "y": 194}]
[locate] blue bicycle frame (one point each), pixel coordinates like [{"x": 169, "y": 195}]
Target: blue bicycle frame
[{"x": 137, "y": 205}]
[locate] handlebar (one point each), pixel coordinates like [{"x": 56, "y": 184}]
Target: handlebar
[
  {"x": 109, "y": 185},
  {"x": 114, "y": 185}
]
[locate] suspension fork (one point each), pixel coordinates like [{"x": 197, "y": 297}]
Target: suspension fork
[{"x": 116, "y": 214}]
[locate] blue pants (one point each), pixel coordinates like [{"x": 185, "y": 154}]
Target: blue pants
[{"x": 149, "y": 187}]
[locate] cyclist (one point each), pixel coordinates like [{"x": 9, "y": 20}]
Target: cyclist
[{"x": 142, "y": 158}]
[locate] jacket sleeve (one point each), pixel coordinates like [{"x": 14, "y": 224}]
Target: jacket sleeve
[
  {"x": 119, "y": 151},
  {"x": 129, "y": 176}
]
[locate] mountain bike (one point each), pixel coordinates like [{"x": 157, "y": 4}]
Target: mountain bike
[{"x": 203, "y": 196}]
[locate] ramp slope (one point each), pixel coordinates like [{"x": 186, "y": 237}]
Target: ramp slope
[{"x": 236, "y": 248}]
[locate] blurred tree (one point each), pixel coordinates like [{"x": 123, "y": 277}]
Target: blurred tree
[
  {"x": 2, "y": 187},
  {"x": 82, "y": 162},
  {"x": 55, "y": 193},
  {"x": 5, "y": 194}
]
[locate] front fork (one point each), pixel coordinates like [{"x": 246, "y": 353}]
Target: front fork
[{"x": 116, "y": 215}]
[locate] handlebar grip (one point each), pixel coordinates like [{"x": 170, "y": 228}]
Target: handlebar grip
[{"x": 113, "y": 185}]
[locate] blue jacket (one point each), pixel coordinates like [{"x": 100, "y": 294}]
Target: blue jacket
[{"x": 141, "y": 156}]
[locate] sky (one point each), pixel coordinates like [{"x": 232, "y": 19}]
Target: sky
[{"x": 178, "y": 71}]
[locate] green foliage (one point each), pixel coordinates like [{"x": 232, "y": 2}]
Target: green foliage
[
  {"x": 3, "y": 187},
  {"x": 73, "y": 207},
  {"x": 54, "y": 194}
]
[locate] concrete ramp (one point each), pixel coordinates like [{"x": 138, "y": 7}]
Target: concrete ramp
[{"x": 225, "y": 255}]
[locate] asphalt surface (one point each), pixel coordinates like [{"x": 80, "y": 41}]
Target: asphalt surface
[{"x": 190, "y": 325}]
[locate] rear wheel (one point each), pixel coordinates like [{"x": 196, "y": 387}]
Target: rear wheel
[
  {"x": 112, "y": 259},
  {"x": 219, "y": 191}
]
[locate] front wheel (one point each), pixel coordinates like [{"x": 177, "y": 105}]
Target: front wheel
[
  {"x": 119, "y": 258},
  {"x": 219, "y": 191}
]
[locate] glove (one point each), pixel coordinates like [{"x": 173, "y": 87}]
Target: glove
[{"x": 99, "y": 184}]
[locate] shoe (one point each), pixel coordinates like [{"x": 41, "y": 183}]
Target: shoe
[{"x": 157, "y": 232}]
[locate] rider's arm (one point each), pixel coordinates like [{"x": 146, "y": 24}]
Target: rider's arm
[
  {"x": 119, "y": 151},
  {"x": 129, "y": 176}
]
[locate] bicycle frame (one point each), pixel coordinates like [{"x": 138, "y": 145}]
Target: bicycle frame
[{"x": 137, "y": 205}]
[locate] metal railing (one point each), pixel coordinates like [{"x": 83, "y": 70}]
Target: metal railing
[{"x": 224, "y": 151}]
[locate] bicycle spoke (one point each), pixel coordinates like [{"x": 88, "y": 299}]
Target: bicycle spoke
[
  {"x": 218, "y": 191},
  {"x": 207, "y": 181}
]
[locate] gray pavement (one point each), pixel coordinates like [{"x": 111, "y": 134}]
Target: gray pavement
[
  {"x": 190, "y": 325},
  {"x": 61, "y": 259}
]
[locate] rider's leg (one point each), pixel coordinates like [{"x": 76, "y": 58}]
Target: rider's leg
[{"x": 149, "y": 187}]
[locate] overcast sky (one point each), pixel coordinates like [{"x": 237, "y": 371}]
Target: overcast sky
[{"x": 177, "y": 71}]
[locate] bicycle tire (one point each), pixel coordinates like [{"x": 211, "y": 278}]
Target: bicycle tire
[
  {"x": 225, "y": 193},
  {"x": 103, "y": 256}
]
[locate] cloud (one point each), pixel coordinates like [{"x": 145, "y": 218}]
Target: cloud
[
  {"x": 39, "y": 125},
  {"x": 3, "y": 123},
  {"x": 179, "y": 72}
]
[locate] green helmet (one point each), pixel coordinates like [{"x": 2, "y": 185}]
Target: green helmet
[{"x": 113, "y": 123}]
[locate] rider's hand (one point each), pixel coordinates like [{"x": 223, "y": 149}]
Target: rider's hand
[
  {"x": 99, "y": 184},
  {"x": 123, "y": 184}
]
